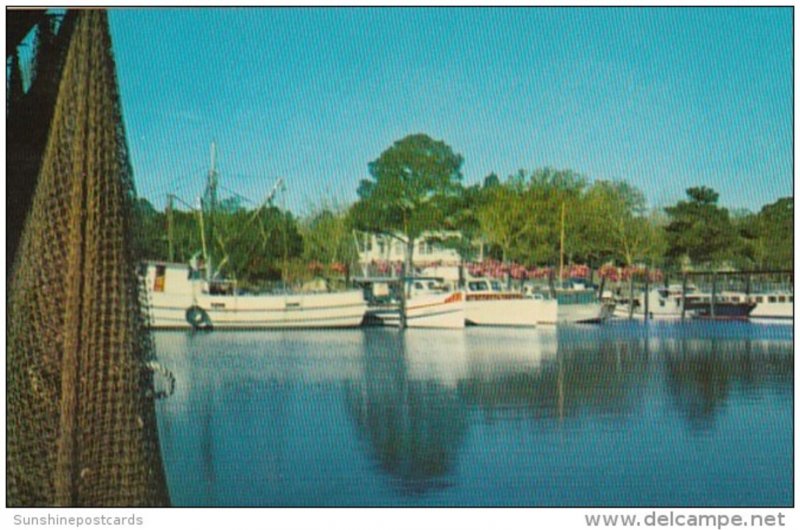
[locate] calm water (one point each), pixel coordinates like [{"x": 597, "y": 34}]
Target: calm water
[{"x": 691, "y": 414}]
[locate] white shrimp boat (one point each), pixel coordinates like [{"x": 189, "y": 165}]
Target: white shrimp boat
[
  {"x": 179, "y": 298},
  {"x": 488, "y": 304}
]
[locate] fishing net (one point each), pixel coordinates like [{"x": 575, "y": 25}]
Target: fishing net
[{"x": 81, "y": 424}]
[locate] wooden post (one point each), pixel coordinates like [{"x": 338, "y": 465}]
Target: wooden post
[
  {"x": 403, "y": 321},
  {"x": 747, "y": 287},
  {"x": 683, "y": 298},
  {"x": 713, "y": 294},
  {"x": 646, "y": 294},
  {"x": 630, "y": 296}
]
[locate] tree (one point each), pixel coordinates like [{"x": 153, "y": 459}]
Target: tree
[
  {"x": 699, "y": 229},
  {"x": 327, "y": 238},
  {"x": 616, "y": 224},
  {"x": 504, "y": 218},
  {"x": 411, "y": 184},
  {"x": 149, "y": 234},
  {"x": 523, "y": 215},
  {"x": 775, "y": 233},
  {"x": 551, "y": 190}
]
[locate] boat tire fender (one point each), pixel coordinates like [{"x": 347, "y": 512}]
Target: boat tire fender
[{"x": 198, "y": 318}]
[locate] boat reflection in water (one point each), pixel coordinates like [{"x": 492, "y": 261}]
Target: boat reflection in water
[{"x": 618, "y": 415}]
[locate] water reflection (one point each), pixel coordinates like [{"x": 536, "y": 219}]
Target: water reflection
[
  {"x": 555, "y": 374},
  {"x": 701, "y": 374},
  {"x": 406, "y": 406},
  {"x": 382, "y": 417}
]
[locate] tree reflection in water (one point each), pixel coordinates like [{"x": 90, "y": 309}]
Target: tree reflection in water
[
  {"x": 403, "y": 405},
  {"x": 577, "y": 415},
  {"x": 702, "y": 373},
  {"x": 597, "y": 375}
]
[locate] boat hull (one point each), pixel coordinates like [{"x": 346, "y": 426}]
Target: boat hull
[
  {"x": 485, "y": 310},
  {"x": 437, "y": 311},
  {"x": 323, "y": 310},
  {"x": 588, "y": 313},
  {"x": 773, "y": 313}
]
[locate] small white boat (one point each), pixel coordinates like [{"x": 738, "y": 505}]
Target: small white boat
[
  {"x": 179, "y": 298},
  {"x": 429, "y": 304},
  {"x": 579, "y": 304},
  {"x": 488, "y": 304}
]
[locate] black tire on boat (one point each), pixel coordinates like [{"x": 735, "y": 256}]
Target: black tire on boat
[{"x": 198, "y": 318}]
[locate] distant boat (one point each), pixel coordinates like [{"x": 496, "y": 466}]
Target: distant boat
[
  {"x": 179, "y": 298},
  {"x": 774, "y": 307},
  {"x": 579, "y": 304},
  {"x": 667, "y": 303}
]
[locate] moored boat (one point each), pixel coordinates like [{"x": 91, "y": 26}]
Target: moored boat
[
  {"x": 179, "y": 298},
  {"x": 488, "y": 304},
  {"x": 774, "y": 307},
  {"x": 671, "y": 303},
  {"x": 428, "y": 304}
]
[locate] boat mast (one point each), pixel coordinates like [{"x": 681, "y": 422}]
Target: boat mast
[
  {"x": 211, "y": 191},
  {"x": 561, "y": 267},
  {"x": 170, "y": 227}
]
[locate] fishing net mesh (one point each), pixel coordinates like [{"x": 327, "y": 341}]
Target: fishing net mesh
[{"x": 81, "y": 424}]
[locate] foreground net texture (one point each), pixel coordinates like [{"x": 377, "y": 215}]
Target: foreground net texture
[{"x": 81, "y": 425}]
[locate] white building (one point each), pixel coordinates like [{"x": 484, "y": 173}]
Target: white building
[{"x": 382, "y": 254}]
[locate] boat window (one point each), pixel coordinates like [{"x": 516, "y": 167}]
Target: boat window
[
  {"x": 759, "y": 299},
  {"x": 734, "y": 298},
  {"x": 418, "y": 286},
  {"x": 771, "y": 299},
  {"x": 791, "y": 298},
  {"x": 477, "y": 286},
  {"x": 158, "y": 283},
  {"x": 496, "y": 286},
  {"x": 662, "y": 302},
  {"x": 781, "y": 299}
]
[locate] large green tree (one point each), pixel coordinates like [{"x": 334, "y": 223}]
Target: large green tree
[
  {"x": 411, "y": 186},
  {"x": 700, "y": 229}
]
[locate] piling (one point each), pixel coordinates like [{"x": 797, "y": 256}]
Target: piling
[
  {"x": 683, "y": 298},
  {"x": 713, "y": 294},
  {"x": 403, "y": 317},
  {"x": 646, "y": 294},
  {"x": 630, "y": 297}
]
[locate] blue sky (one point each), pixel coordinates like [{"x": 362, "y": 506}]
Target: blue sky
[{"x": 664, "y": 98}]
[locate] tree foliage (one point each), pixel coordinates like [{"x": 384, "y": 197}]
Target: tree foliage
[
  {"x": 411, "y": 186},
  {"x": 700, "y": 229},
  {"x": 774, "y": 231},
  {"x": 327, "y": 239}
]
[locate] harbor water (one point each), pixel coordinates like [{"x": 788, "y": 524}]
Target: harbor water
[{"x": 624, "y": 414}]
